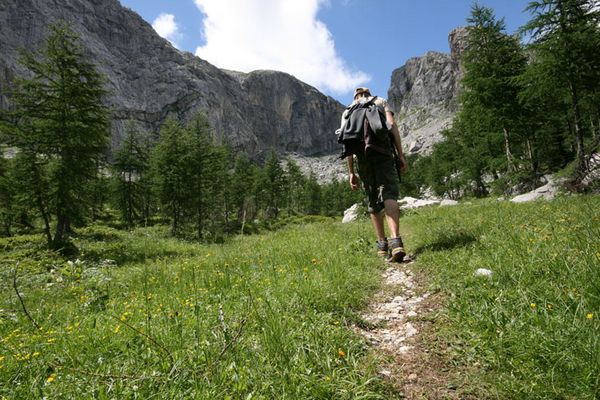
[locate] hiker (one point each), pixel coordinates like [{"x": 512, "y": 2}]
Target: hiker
[{"x": 369, "y": 133}]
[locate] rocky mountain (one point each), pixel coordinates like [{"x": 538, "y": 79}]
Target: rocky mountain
[
  {"x": 423, "y": 94},
  {"x": 149, "y": 80}
]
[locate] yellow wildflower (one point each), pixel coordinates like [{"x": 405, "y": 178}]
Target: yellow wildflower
[
  {"x": 532, "y": 305},
  {"x": 51, "y": 378},
  {"x": 117, "y": 329},
  {"x": 589, "y": 315},
  {"x": 341, "y": 353}
]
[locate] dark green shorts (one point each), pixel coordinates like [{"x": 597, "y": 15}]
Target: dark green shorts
[{"x": 379, "y": 178}]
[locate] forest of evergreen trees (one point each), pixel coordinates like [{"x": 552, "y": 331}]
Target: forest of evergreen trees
[
  {"x": 61, "y": 175},
  {"x": 527, "y": 108},
  {"x": 529, "y": 104}
]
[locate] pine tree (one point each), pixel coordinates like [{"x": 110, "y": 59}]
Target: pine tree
[
  {"x": 189, "y": 172},
  {"x": 7, "y": 195},
  {"x": 241, "y": 189},
  {"x": 32, "y": 188},
  {"x": 294, "y": 181},
  {"x": 271, "y": 185},
  {"x": 490, "y": 116},
  {"x": 130, "y": 173},
  {"x": 209, "y": 162},
  {"x": 566, "y": 53},
  {"x": 312, "y": 195},
  {"x": 61, "y": 126},
  {"x": 170, "y": 161}
]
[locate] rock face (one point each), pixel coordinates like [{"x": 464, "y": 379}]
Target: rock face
[
  {"x": 546, "y": 192},
  {"x": 423, "y": 94},
  {"x": 325, "y": 168},
  {"x": 149, "y": 80}
]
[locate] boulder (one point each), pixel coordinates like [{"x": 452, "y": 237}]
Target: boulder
[
  {"x": 351, "y": 214},
  {"x": 546, "y": 192},
  {"x": 448, "y": 202},
  {"x": 408, "y": 202},
  {"x": 592, "y": 178}
]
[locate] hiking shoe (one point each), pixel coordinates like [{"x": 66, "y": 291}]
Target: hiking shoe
[
  {"x": 397, "y": 252},
  {"x": 382, "y": 248}
]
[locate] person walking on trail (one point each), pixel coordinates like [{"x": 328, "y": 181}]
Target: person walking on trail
[{"x": 370, "y": 135}]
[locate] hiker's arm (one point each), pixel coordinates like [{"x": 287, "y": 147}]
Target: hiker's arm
[
  {"x": 352, "y": 175},
  {"x": 397, "y": 142}
]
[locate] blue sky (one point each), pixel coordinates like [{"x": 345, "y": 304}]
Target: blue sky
[{"x": 334, "y": 45}]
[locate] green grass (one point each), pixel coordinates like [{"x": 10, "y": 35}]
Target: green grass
[
  {"x": 144, "y": 316},
  {"x": 269, "y": 316},
  {"x": 532, "y": 329}
]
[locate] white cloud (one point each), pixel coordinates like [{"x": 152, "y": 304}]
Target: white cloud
[
  {"x": 282, "y": 35},
  {"x": 167, "y": 28}
]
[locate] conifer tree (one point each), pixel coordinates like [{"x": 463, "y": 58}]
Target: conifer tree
[
  {"x": 565, "y": 55},
  {"x": 130, "y": 173},
  {"x": 295, "y": 181},
  {"x": 241, "y": 189},
  {"x": 208, "y": 174},
  {"x": 7, "y": 195},
  {"x": 171, "y": 161},
  {"x": 238, "y": 183},
  {"x": 492, "y": 61},
  {"x": 271, "y": 185},
  {"x": 484, "y": 140},
  {"x": 32, "y": 189},
  {"x": 312, "y": 195},
  {"x": 61, "y": 126}
]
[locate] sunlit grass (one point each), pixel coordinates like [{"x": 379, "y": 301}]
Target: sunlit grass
[
  {"x": 139, "y": 314},
  {"x": 142, "y": 315},
  {"x": 532, "y": 328}
]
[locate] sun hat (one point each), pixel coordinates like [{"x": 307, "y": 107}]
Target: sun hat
[{"x": 361, "y": 90}]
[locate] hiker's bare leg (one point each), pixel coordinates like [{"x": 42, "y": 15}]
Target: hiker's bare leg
[
  {"x": 392, "y": 215},
  {"x": 377, "y": 221}
]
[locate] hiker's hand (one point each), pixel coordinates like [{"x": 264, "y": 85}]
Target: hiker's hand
[
  {"x": 353, "y": 181},
  {"x": 403, "y": 165}
]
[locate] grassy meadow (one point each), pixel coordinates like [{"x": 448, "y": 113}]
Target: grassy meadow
[
  {"x": 532, "y": 329},
  {"x": 268, "y": 316}
]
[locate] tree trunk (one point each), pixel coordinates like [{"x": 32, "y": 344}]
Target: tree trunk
[
  {"x": 509, "y": 156},
  {"x": 243, "y": 222},
  {"x": 61, "y": 227},
  {"x": 129, "y": 211},
  {"x": 175, "y": 221},
  {"x": 40, "y": 203},
  {"x": 199, "y": 223},
  {"x": 579, "y": 133},
  {"x": 531, "y": 160}
]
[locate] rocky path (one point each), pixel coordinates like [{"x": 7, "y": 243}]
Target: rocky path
[
  {"x": 392, "y": 312},
  {"x": 398, "y": 327}
]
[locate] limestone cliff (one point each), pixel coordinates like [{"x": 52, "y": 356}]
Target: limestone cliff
[
  {"x": 149, "y": 80},
  {"x": 423, "y": 94}
]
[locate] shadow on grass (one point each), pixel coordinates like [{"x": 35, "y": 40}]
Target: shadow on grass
[{"x": 448, "y": 242}]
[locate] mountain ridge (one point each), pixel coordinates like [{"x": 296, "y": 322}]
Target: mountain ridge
[
  {"x": 424, "y": 92},
  {"x": 149, "y": 80}
]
